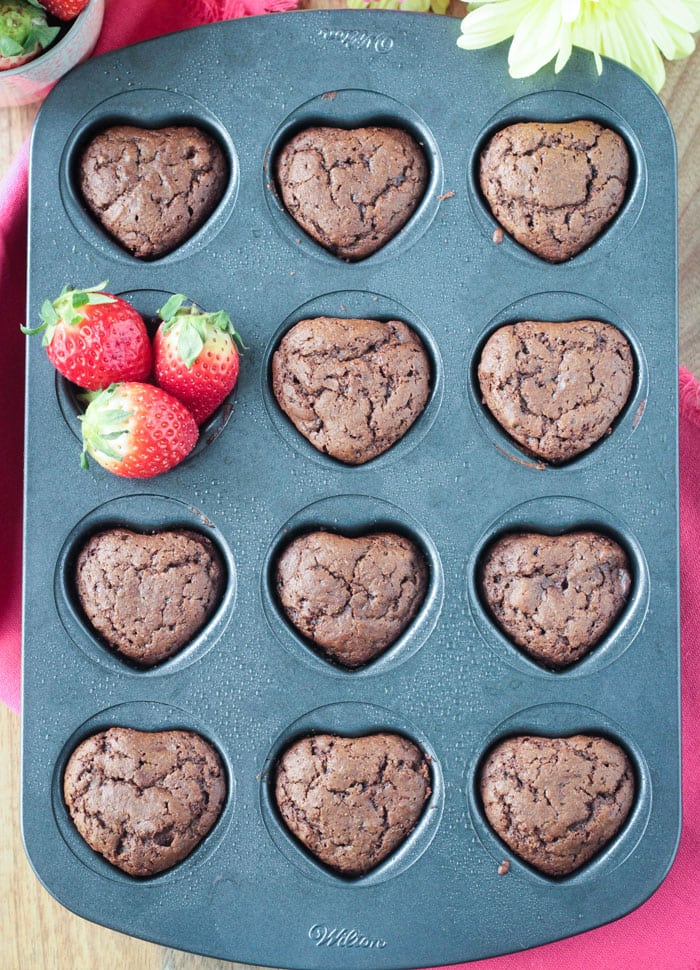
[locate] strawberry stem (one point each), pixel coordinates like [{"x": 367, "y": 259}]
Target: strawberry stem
[
  {"x": 62, "y": 309},
  {"x": 192, "y": 324}
]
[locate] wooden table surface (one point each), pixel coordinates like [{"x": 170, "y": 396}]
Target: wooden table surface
[{"x": 36, "y": 933}]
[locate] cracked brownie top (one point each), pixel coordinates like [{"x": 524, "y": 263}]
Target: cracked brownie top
[
  {"x": 556, "y": 388},
  {"x": 352, "y": 387},
  {"x": 148, "y": 595},
  {"x": 556, "y": 802},
  {"x": 555, "y": 187},
  {"x": 352, "y": 801},
  {"x": 151, "y": 189},
  {"x": 351, "y": 190},
  {"x": 556, "y": 596},
  {"x": 352, "y": 597},
  {"x": 144, "y": 800}
]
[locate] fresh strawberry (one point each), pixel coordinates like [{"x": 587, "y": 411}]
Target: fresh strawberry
[
  {"x": 136, "y": 430},
  {"x": 94, "y": 338},
  {"x": 64, "y": 9},
  {"x": 24, "y": 33},
  {"x": 195, "y": 357}
]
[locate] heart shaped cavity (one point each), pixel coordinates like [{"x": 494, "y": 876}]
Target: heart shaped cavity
[
  {"x": 352, "y": 801},
  {"x": 351, "y": 190},
  {"x": 151, "y": 189},
  {"x": 556, "y": 388},
  {"x": 144, "y": 800},
  {"x": 556, "y": 596},
  {"x": 148, "y": 595},
  {"x": 556, "y": 802},
  {"x": 555, "y": 187},
  {"x": 351, "y": 597},
  {"x": 352, "y": 387}
]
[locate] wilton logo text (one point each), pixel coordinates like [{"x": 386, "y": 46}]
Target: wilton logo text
[
  {"x": 327, "y": 936},
  {"x": 358, "y": 39}
]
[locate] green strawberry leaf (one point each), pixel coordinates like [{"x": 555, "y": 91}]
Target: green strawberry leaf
[
  {"x": 237, "y": 337},
  {"x": 10, "y": 48},
  {"x": 221, "y": 320},
  {"x": 190, "y": 344},
  {"x": 87, "y": 397},
  {"x": 49, "y": 319},
  {"x": 114, "y": 417},
  {"x": 102, "y": 424},
  {"x": 99, "y": 443},
  {"x": 89, "y": 296},
  {"x": 41, "y": 35},
  {"x": 194, "y": 326},
  {"x": 167, "y": 312},
  {"x": 48, "y": 313}
]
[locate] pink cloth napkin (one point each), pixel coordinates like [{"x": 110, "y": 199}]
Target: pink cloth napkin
[{"x": 665, "y": 931}]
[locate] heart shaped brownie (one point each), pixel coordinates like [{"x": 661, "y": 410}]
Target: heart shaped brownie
[
  {"x": 555, "y": 187},
  {"x": 351, "y": 597},
  {"x": 151, "y": 189},
  {"x": 351, "y": 190},
  {"x": 148, "y": 595},
  {"x": 352, "y": 801},
  {"x": 351, "y": 387},
  {"x": 556, "y": 596},
  {"x": 556, "y": 388},
  {"x": 144, "y": 800},
  {"x": 556, "y": 802}
]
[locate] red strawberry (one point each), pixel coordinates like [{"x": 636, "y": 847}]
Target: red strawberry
[
  {"x": 195, "y": 357},
  {"x": 64, "y": 9},
  {"x": 94, "y": 338},
  {"x": 137, "y": 430}
]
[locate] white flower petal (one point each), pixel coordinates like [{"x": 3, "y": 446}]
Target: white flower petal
[
  {"x": 536, "y": 40},
  {"x": 685, "y": 13},
  {"x": 586, "y": 33},
  {"x": 570, "y": 10},
  {"x": 644, "y": 53},
  {"x": 673, "y": 40},
  {"x": 490, "y": 25},
  {"x": 565, "y": 47},
  {"x": 634, "y": 32},
  {"x": 613, "y": 43}
]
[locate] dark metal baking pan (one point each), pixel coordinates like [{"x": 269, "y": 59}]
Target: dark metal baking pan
[{"x": 452, "y": 683}]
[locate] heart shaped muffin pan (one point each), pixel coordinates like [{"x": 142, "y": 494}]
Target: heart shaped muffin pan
[
  {"x": 351, "y": 597},
  {"x": 556, "y": 388},
  {"x": 409, "y": 611},
  {"x": 148, "y": 595}
]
